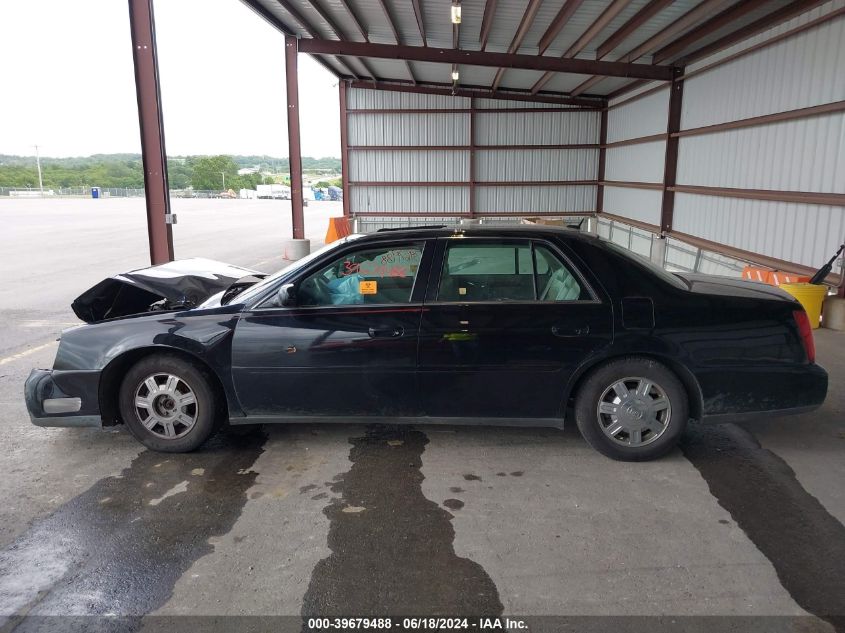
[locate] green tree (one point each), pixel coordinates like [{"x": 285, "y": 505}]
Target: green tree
[{"x": 208, "y": 173}]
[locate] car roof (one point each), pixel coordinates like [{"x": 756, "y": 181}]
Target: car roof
[{"x": 479, "y": 230}]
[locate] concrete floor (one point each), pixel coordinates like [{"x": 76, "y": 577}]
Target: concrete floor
[{"x": 742, "y": 520}]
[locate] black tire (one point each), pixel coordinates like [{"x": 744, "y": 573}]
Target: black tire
[
  {"x": 598, "y": 388},
  {"x": 192, "y": 380}
]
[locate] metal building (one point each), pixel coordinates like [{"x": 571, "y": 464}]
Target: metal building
[{"x": 698, "y": 132}]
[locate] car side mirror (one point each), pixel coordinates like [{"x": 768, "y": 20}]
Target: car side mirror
[{"x": 286, "y": 296}]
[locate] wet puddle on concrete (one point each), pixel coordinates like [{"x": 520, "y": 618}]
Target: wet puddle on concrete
[
  {"x": 802, "y": 540},
  {"x": 392, "y": 548},
  {"x": 119, "y": 547}
]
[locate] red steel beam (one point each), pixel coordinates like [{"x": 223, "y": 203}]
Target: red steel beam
[
  {"x": 587, "y": 36},
  {"x": 758, "y": 26},
  {"x": 602, "y": 161},
  {"x": 481, "y": 92},
  {"x": 812, "y": 24},
  {"x": 566, "y": 12},
  {"x": 472, "y": 203},
  {"x": 392, "y": 23},
  {"x": 720, "y": 21},
  {"x": 418, "y": 14},
  {"x": 343, "y": 89},
  {"x": 485, "y": 58},
  {"x": 670, "y": 165},
  {"x": 276, "y": 23},
  {"x": 333, "y": 25},
  {"x": 313, "y": 32},
  {"x": 521, "y": 31},
  {"x": 487, "y": 22},
  {"x": 478, "y": 183},
  {"x": 294, "y": 146},
  {"x": 683, "y": 23},
  {"x": 154, "y": 155},
  {"x": 767, "y": 22},
  {"x": 621, "y": 34},
  {"x": 356, "y": 19}
]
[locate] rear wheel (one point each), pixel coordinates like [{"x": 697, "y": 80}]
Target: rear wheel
[
  {"x": 168, "y": 404},
  {"x": 632, "y": 409}
]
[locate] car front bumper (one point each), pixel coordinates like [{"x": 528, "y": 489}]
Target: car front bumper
[{"x": 63, "y": 398}]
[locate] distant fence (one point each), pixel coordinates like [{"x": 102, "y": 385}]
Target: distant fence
[{"x": 105, "y": 192}]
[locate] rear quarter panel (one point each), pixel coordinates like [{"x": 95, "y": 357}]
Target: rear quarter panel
[{"x": 744, "y": 352}]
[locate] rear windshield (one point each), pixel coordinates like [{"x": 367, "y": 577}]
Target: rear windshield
[{"x": 643, "y": 262}]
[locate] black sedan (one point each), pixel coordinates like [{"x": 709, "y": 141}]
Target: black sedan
[{"x": 516, "y": 325}]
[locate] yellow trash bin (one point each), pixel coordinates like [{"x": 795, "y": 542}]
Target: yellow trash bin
[{"x": 811, "y": 297}]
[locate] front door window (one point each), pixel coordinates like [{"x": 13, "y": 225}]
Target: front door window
[{"x": 384, "y": 275}]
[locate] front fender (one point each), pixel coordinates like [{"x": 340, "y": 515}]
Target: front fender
[{"x": 205, "y": 335}]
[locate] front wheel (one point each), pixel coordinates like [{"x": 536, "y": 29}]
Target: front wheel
[
  {"x": 632, "y": 409},
  {"x": 168, "y": 404}
]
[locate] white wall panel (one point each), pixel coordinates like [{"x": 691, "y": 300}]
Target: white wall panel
[
  {"x": 802, "y": 233},
  {"x": 781, "y": 28},
  {"x": 494, "y": 128},
  {"x": 410, "y": 199},
  {"x": 642, "y": 162},
  {"x": 499, "y": 104},
  {"x": 409, "y": 129},
  {"x": 800, "y": 155},
  {"x": 405, "y": 166},
  {"x": 808, "y": 154},
  {"x": 361, "y": 99},
  {"x": 535, "y": 199},
  {"x": 642, "y": 117},
  {"x": 533, "y": 165},
  {"x": 798, "y": 72},
  {"x": 636, "y": 204},
  {"x": 549, "y": 128}
]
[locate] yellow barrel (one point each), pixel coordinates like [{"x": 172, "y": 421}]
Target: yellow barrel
[{"x": 811, "y": 297}]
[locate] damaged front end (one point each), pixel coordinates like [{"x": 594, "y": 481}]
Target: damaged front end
[{"x": 182, "y": 284}]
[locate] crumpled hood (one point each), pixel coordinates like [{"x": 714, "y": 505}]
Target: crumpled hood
[{"x": 183, "y": 283}]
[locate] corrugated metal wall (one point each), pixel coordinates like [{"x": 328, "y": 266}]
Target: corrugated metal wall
[
  {"x": 781, "y": 158},
  {"x": 803, "y": 155},
  {"x": 641, "y": 162},
  {"x": 573, "y": 170}
]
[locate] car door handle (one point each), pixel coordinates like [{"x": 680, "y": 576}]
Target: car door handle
[
  {"x": 565, "y": 332},
  {"x": 393, "y": 332}
]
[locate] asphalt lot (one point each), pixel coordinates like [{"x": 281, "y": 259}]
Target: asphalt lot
[{"x": 743, "y": 520}]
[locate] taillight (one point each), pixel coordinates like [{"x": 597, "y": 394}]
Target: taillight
[{"x": 805, "y": 331}]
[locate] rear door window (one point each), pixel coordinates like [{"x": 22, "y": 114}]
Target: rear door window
[
  {"x": 511, "y": 271},
  {"x": 487, "y": 272}
]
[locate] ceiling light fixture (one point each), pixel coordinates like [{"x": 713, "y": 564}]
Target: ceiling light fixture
[{"x": 456, "y": 14}]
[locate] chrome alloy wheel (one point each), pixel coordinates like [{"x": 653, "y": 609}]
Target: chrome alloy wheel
[
  {"x": 634, "y": 411},
  {"x": 166, "y": 406}
]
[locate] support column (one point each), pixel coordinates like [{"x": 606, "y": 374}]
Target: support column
[
  {"x": 294, "y": 147},
  {"x": 602, "y": 159},
  {"x": 670, "y": 167},
  {"x": 343, "y": 89},
  {"x": 472, "y": 202},
  {"x": 154, "y": 155}
]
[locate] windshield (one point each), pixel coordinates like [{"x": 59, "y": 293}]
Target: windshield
[
  {"x": 645, "y": 263},
  {"x": 254, "y": 291}
]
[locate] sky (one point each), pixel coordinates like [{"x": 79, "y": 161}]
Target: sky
[{"x": 67, "y": 81}]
